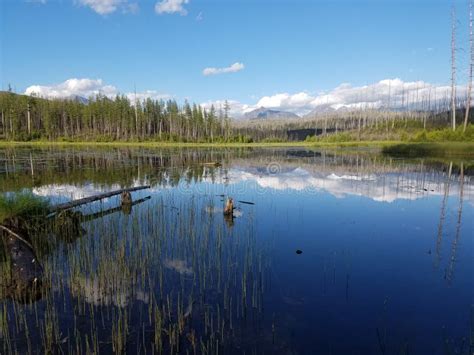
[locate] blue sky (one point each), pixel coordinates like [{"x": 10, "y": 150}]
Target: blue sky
[{"x": 278, "y": 46}]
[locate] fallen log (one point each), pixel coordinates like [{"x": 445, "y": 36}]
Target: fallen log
[
  {"x": 82, "y": 201},
  {"x": 100, "y": 214}
]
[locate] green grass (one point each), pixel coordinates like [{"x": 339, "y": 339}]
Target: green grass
[
  {"x": 410, "y": 133},
  {"x": 409, "y": 141},
  {"x": 22, "y": 204}
]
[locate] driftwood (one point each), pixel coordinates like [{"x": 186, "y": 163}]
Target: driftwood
[
  {"x": 100, "y": 214},
  {"x": 82, "y": 201}
]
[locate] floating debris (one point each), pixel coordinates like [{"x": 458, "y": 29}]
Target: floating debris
[
  {"x": 247, "y": 202},
  {"x": 299, "y": 251}
]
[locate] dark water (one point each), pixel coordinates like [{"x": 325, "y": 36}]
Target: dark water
[{"x": 386, "y": 266}]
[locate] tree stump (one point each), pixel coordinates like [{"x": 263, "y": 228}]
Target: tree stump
[
  {"x": 126, "y": 198},
  {"x": 229, "y": 207}
]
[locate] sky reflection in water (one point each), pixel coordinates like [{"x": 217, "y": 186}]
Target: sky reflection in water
[{"x": 387, "y": 262}]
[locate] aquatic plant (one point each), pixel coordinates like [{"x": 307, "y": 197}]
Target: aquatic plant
[{"x": 23, "y": 205}]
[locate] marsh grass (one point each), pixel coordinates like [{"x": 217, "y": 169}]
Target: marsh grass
[
  {"x": 24, "y": 205},
  {"x": 159, "y": 280}
]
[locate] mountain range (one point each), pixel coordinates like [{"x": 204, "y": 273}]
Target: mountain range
[{"x": 264, "y": 113}]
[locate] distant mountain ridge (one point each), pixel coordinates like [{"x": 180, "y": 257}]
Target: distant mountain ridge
[
  {"x": 264, "y": 113},
  {"x": 78, "y": 98}
]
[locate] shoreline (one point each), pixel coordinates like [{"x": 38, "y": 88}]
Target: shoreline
[{"x": 443, "y": 148}]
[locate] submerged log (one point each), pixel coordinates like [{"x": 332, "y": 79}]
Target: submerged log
[
  {"x": 82, "y": 201},
  {"x": 26, "y": 273},
  {"x": 100, "y": 214}
]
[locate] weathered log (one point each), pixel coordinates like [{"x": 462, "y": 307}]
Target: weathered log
[
  {"x": 82, "y": 201},
  {"x": 100, "y": 214}
]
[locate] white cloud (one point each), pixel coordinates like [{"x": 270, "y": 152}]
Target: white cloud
[
  {"x": 382, "y": 188},
  {"x": 152, "y": 94},
  {"x": 86, "y": 88},
  {"x": 71, "y": 87},
  {"x": 105, "y": 7},
  {"x": 171, "y": 7},
  {"x": 388, "y": 94},
  {"x": 231, "y": 69},
  {"x": 236, "y": 108},
  {"x": 199, "y": 17}
]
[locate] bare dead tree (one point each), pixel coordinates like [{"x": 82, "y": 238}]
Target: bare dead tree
[
  {"x": 453, "y": 66},
  {"x": 136, "y": 110},
  {"x": 471, "y": 61},
  {"x": 28, "y": 115}
]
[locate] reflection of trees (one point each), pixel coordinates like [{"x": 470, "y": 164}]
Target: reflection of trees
[
  {"x": 168, "y": 167},
  {"x": 454, "y": 247},
  {"x": 442, "y": 216},
  {"x": 27, "y": 168}
]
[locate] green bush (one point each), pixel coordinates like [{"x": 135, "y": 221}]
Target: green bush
[{"x": 446, "y": 135}]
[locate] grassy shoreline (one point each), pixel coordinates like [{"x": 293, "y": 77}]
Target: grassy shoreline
[{"x": 389, "y": 147}]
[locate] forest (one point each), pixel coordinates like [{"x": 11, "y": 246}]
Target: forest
[
  {"x": 25, "y": 118},
  {"x": 101, "y": 119}
]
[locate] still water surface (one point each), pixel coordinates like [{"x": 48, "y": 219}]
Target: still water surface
[{"x": 387, "y": 260}]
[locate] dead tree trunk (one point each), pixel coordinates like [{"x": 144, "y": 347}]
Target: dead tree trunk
[
  {"x": 453, "y": 67},
  {"x": 82, "y": 201},
  {"x": 471, "y": 62},
  {"x": 29, "y": 119}
]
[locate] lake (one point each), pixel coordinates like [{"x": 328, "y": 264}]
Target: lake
[{"x": 385, "y": 259}]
